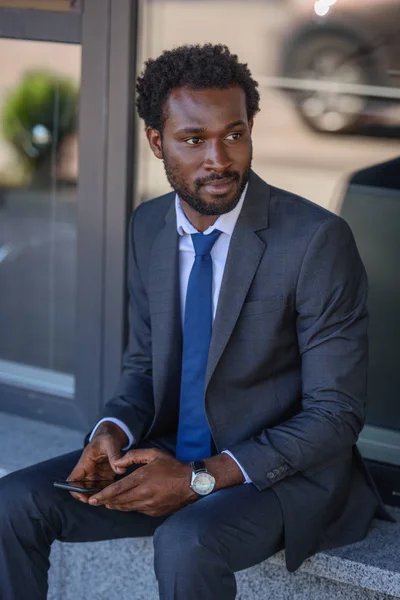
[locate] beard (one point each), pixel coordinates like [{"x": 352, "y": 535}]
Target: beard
[{"x": 222, "y": 203}]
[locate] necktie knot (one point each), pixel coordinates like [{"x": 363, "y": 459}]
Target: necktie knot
[{"x": 204, "y": 243}]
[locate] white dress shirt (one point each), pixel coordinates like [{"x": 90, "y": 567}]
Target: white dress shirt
[{"x": 226, "y": 224}]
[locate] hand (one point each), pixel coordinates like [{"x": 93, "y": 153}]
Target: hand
[
  {"x": 158, "y": 488},
  {"x": 98, "y": 459}
]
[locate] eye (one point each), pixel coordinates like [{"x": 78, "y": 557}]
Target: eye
[
  {"x": 194, "y": 141},
  {"x": 234, "y": 136}
]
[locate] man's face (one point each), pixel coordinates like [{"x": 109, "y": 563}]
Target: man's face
[{"x": 206, "y": 147}]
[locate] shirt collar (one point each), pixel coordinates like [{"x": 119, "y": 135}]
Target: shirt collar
[{"x": 225, "y": 223}]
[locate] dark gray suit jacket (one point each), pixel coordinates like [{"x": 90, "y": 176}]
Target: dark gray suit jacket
[{"x": 286, "y": 375}]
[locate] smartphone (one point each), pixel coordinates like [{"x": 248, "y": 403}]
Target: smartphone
[{"x": 85, "y": 486}]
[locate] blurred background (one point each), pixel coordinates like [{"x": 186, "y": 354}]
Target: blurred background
[{"x": 74, "y": 162}]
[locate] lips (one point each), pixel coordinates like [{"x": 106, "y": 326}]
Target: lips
[{"x": 219, "y": 186}]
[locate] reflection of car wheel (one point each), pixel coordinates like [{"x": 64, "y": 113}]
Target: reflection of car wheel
[{"x": 332, "y": 58}]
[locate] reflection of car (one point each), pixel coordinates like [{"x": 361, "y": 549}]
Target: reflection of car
[{"x": 349, "y": 43}]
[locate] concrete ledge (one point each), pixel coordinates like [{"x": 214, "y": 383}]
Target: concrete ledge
[
  {"x": 372, "y": 564},
  {"x": 109, "y": 569},
  {"x": 367, "y": 570}
]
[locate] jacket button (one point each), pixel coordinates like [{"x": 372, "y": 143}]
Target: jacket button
[
  {"x": 270, "y": 475},
  {"x": 276, "y": 472}
]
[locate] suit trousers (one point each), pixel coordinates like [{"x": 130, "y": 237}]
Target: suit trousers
[{"x": 197, "y": 550}]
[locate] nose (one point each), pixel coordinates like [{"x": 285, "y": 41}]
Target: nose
[{"x": 217, "y": 158}]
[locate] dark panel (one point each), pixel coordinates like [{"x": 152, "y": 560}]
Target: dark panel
[
  {"x": 91, "y": 205},
  {"x": 119, "y": 184},
  {"x": 374, "y": 216},
  {"x": 45, "y": 26}
]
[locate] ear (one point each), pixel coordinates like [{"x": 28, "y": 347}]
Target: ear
[
  {"x": 154, "y": 139},
  {"x": 251, "y": 123}
]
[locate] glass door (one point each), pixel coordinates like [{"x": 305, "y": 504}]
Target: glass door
[
  {"x": 40, "y": 68},
  {"x": 39, "y": 94},
  {"x": 66, "y": 152}
]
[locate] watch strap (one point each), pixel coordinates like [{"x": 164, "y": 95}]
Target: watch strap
[{"x": 198, "y": 465}]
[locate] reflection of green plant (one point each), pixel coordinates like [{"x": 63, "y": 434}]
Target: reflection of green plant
[{"x": 37, "y": 115}]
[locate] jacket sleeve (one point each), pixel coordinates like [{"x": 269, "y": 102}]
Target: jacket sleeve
[
  {"x": 132, "y": 402},
  {"x": 332, "y": 340}
]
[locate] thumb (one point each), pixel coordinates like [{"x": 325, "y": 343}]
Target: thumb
[{"x": 113, "y": 451}]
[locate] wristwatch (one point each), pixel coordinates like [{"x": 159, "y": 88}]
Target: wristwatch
[{"x": 202, "y": 481}]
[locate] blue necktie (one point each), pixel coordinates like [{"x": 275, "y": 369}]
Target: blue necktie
[{"x": 194, "y": 436}]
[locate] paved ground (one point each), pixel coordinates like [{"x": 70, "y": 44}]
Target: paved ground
[{"x": 24, "y": 442}]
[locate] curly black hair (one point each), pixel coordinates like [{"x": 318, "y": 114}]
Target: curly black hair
[{"x": 196, "y": 67}]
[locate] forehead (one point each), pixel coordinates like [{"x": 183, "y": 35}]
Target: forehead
[{"x": 206, "y": 108}]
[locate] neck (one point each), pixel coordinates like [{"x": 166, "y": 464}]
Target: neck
[{"x": 200, "y": 222}]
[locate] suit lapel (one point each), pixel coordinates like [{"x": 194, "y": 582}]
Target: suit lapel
[{"x": 245, "y": 252}]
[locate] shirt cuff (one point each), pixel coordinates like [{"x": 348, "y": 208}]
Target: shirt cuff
[
  {"x": 120, "y": 424},
  {"x": 246, "y": 477}
]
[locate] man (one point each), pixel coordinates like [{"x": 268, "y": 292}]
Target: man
[{"x": 243, "y": 387}]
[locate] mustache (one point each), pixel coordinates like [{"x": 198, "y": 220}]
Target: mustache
[{"x": 212, "y": 178}]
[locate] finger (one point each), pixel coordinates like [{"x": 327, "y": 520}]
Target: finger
[
  {"x": 136, "y": 456},
  {"x": 109, "y": 493},
  {"x": 79, "y": 473},
  {"x": 81, "y": 497},
  {"x": 84, "y": 468},
  {"x": 131, "y": 506},
  {"x": 128, "y": 497},
  {"x": 139, "y": 507},
  {"x": 113, "y": 453},
  {"x": 117, "y": 507},
  {"x": 139, "y": 498}
]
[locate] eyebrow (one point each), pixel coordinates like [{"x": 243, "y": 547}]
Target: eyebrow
[
  {"x": 189, "y": 130},
  {"x": 235, "y": 124}
]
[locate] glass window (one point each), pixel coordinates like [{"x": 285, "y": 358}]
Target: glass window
[
  {"x": 300, "y": 66},
  {"x": 38, "y": 176},
  {"x": 329, "y": 79}
]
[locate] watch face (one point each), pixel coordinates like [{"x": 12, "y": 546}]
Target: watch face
[{"x": 203, "y": 483}]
